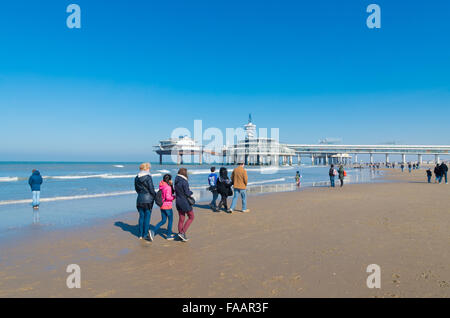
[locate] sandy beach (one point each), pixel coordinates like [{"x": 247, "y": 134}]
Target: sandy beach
[{"x": 316, "y": 242}]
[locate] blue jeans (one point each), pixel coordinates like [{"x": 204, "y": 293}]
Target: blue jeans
[
  {"x": 445, "y": 176},
  {"x": 144, "y": 221},
  {"x": 214, "y": 199},
  {"x": 243, "y": 194},
  {"x": 332, "y": 181},
  {"x": 165, "y": 214},
  {"x": 36, "y": 197},
  {"x": 429, "y": 179}
]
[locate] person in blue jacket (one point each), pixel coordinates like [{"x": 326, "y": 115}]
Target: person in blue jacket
[
  {"x": 212, "y": 181},
  {"x": 35, "y": 182}
]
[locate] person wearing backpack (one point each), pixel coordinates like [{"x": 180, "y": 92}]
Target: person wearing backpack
[
  {"x": 341, "y": 175},
  {"x": 167, "y": 196},
  {"x": 224, "y": 189},
  {"x": 184, "y": 203},
  {"x": 143, "y": 184},
  {"x": 212, "y": 181},
  {"x": 332, "y": 174}
]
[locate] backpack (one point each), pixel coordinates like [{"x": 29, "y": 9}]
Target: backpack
[
  {"x": 158, "y": 198},
  {"x": 345, "y": 173},
  {"x": 335, "y": 173}
]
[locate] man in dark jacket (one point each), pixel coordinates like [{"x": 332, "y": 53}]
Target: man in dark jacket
[
  {"x": 437, "y": 174},
  {"x": 35, "y": 182},
  {"x": 444, "y": 171},
  {"x": 143, "y": 184}
]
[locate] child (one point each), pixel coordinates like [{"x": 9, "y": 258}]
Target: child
[
  {"x": 429, "y": 174},
  {"x": 297, "y": 178}
]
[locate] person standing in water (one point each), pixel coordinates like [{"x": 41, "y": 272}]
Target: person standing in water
[
  {"x": 35, "y": 182},
  {"x": 143, "y": 184},
  {"x": 298, "y": 179},
  {"x": 167, "y": 194},
  {"x": 212, "y": 181},
  {"x": 184, "y": 206},
  {"x": 224, "y": 188}
]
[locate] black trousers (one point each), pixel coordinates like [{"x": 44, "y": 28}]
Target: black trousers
[
  {"x": 342, "y": 181},
  {"x": 223, "y": 202}
]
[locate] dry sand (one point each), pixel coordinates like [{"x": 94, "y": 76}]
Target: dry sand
[{"x": 312, "y": 243}]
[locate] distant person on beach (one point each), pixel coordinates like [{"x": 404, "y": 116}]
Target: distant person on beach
[
  {"x": 341, "y": 172},
  {"x": 332, "y": 173},
  {"x": 143, "y": 184},
  {"x": 402, "y": 166},
  {"x": 429, "y": 175},
  {"x": 409, "y": 167},
  {"x": 298, "y": 178},
  {"x": 212, "y": 181},
  {"x": 168, "y": 195},
  {"x": 437, "y": 174},
  {"x": 184, "y": 203},
  {"x": 35, "y": 182},
  {"x": 239, "y": 179},
  {"x": 224, "y": 189},
  {"x": 444, "y": 171}
]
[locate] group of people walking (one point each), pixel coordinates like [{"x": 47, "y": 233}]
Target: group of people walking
[
  {"x": 180, "y": 192},
  {"x": 223, "y": 185},
  {"x": 168, "y": 192},
  {"x": 440, "y": 172}
]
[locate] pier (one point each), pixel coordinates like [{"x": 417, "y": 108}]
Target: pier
[{"x": 324, "y": 154}]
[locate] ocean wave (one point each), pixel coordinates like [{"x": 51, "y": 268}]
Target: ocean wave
[
  {"x": 73, "y": 197},
  {"x": 98, "y": 176},
  {"x": 9, "y": 179},
  {"x": 118, "y": 166},
  {"x": 266, "y": 181}
]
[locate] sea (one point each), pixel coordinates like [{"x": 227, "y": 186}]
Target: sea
[{"x": 79, "y": 193}]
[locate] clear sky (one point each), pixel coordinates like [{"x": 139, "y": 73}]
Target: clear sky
[{"x": 138, "y": 69}]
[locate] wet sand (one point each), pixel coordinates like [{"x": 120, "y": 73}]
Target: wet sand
[{"x": 316, "y": 242}]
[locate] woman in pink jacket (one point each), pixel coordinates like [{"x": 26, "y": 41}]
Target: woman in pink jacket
[{"x": 167, "y": 193}]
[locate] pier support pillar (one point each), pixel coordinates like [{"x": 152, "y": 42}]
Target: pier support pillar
[
  {"x": 356, "y": 158},
  {"x": 200, "y": 158},
  {"x": 299, "y": 159},
  {"x": 371, "y": 158},
  {"x": 437, "y": 159},
  {"x": 419, "y": 159},
  {"x": 312, "y": 159},
  {"x": 326, "y": 160},
  {"x": 290, "y": 160},
  {"x": 160, "y": 158},
  {"x": 403, "y": 158},
  {"x": 387, "y": 158}
]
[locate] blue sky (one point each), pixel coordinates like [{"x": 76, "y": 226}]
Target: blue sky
[{"x": 138, "y": 69}]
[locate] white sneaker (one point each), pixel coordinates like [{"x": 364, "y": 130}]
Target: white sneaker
[
  {"x": 150, "y": 235},
  {"x": 246, "y": 210}
]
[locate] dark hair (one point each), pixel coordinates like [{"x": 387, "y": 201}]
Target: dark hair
[
  {"x": 223, "y": 172},
  {"x": 332, "y": 166},
  {"x": 34, "y": 170},
  {"x": 167, "y": 178},
  {"x": 183, "y": 172},
  {"x": 213, "y": 169}
]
